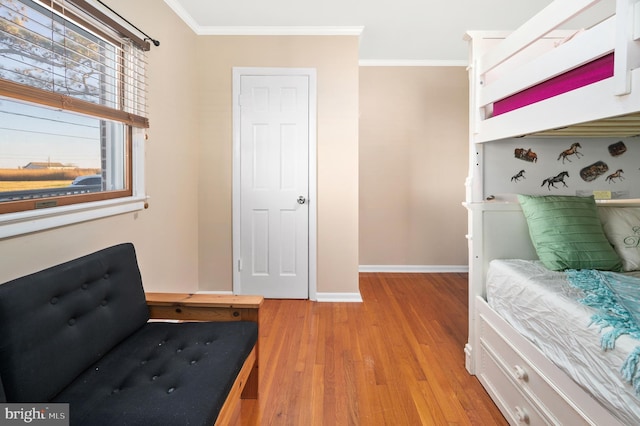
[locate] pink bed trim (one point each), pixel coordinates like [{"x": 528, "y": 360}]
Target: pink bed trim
[{"x": 584, "y": 75}]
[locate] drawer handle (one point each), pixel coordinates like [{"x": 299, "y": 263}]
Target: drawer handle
[
  {"x": 520, "y": 373},
  {"x": 522, "y": 416}
]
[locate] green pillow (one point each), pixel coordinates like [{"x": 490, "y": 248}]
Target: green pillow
[{"x": 567, "y": 233}]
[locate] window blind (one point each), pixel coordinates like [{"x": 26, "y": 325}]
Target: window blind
[{"x": 57, "y": 54}]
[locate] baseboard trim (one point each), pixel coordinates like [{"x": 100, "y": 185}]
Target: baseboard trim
[
  {"x": 339, "y": 297},
  {"x": 415, "y": 268},
  {"x": 320, "y": 297}
]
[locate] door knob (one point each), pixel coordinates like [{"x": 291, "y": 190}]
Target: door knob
[{"x": 301, "y": 200}]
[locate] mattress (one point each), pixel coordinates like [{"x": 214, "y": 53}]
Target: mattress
[{"x": 542, "y": 306}]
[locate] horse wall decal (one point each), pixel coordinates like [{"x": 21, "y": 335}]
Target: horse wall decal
[
  {"x": 518, "y": 176},
  {"x": 573, "y": 150},
  {"x": 559, "y": 178},
  {"x": 617, "y": 175}
]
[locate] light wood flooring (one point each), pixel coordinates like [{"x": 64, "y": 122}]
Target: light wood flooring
[{"x": 396, "y": 359}]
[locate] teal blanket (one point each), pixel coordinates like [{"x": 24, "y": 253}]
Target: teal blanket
[{"x": 616, "y": 297}]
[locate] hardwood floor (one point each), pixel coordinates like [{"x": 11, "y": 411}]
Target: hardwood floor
[{"x": 396, "y": 359}]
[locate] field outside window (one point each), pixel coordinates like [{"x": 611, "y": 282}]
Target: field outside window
[{"x": 48, "y": 153}]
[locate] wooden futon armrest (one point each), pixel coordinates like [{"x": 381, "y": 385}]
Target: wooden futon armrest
[{"x": 203, "y": 307}]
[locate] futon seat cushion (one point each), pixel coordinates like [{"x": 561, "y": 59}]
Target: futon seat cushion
[{"x": 164, "y": 374}]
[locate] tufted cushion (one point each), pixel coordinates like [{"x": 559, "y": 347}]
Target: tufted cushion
[
  {"x": 57, "y": 322},
  {"x": 164, "y": 374}
]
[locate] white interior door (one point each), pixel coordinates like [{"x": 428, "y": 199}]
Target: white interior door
[{"x": 274, "y": 186}]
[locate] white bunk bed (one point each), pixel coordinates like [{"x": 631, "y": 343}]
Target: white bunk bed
[{"x": 524, "y": 383}]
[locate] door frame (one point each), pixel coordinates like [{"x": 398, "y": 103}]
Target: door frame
[{"x": 310, "y": 73}]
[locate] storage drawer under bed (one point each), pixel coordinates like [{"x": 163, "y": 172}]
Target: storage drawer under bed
[
  {"x": 525, "y": 383},
  {"x": 516, "y": 407},
  {"x": 526, "y": 377}
]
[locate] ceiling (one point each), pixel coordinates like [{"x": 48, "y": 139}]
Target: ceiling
[{"x": 402, "y": 30}]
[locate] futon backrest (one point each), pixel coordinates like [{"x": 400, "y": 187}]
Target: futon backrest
[{"x": 56, "y": 323}]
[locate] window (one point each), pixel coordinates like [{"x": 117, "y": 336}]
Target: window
[
  {"x": 72, "y": 108},
  {"x": 46, "y": 155}
]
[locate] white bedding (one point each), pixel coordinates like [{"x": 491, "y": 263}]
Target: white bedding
[{"x": 541, "y": 305}]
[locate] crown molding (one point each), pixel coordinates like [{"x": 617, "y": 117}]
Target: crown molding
[
  {"x": 412, "y": 63},
  {"x": 281, "y": 30},
  {"x": 261, "y": 30},
  {"x": 183, "y": 14}
]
